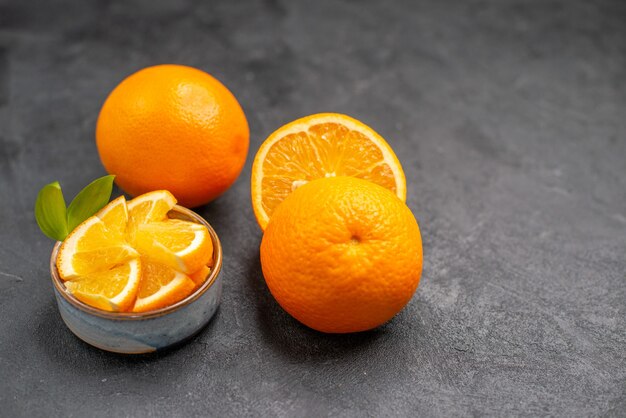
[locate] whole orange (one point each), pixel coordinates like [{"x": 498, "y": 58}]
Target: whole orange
[
  {"x": 342, "y": 254},
  {"x": 176, "y": 128}
]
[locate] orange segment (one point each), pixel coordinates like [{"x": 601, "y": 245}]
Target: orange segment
[
  {"x": 110, "y": 290},
  {"x": 93, "y": 246},
  {"x": 149, "y": 207},
  {"x": 182, "y": 245},
  {"x": 319, "y": 146},
  {"x": 161, "y": 286},
  {"x": 200, "y": 276},
  {"x": 115, "y": 217},
  {"x": 97, "y": 259}
]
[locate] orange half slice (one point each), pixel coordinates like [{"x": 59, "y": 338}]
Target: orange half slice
[{"x": 318, "y": 146}]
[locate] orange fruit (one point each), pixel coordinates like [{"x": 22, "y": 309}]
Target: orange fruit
[
  {"x": 109, "y": 290},
  {"x": 115, "y": 216},
  {"x": 173, "y": 127},
  {"x": 342, "y": 254},
  {"x": 320, "y": 146},
  {"x": 182, "y": 245},
  {"x": 97, "y": 244},
  {"x": 148, "y": 207},
  {"x": 200, "y": 276},
  {"x": 161, "y": 286},
  {"x": 131, "y": 256}
]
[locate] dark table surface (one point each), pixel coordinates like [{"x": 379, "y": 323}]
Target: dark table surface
[{"x": 510, "y": 121}]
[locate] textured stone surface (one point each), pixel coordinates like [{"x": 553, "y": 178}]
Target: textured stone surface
[{"x": 510, "y": 121}]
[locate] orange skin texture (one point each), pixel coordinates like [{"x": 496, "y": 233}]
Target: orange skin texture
[
  {"x": 342, "y": 255},
  {"x": 176, "y": 128}
]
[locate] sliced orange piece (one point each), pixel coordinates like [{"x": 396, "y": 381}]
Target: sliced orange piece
[
  {"x": 200, "y": 276},
  {"x": 149, "y": 207},
  {"x": 161, "y": 286},
  {"x": 182, "y": 245},
  {"x": 97, "y": 244},
  {"x": 110, "y": 290},
  {"x": 318, "y": 146},
  {"x": 115, "y": 217}
]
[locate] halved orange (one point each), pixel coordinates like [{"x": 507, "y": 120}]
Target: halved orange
[
  {"x": 161, "y": 286},
  {"x": 110, "y": 290},
  {"x": 318, "y": 146}
]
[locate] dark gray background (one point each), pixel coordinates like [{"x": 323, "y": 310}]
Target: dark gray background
[{"x": 509, "y": 118}]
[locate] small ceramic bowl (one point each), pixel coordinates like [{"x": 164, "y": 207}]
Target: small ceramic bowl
[{"x": 135, "y": 333}]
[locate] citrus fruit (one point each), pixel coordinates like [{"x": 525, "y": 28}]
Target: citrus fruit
[
  {"x": 182, "y": 245},
  {"x": 342, "y": 254},
  {"x": 132, "y": 256},
  {"x": 115, "y": 216},
  {"x": 148, "y": 207},
  {"x": 320, "y": 146},
  {"x": 96, "y": 244},
  {"x": 173, "y": 127},
  {"x": 200, "y": 276},
  {"x": 161, "y": 286},
  {"x": 109, "y": 290}
]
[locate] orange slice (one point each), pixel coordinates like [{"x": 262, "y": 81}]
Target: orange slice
[
  {"x": 115, "y": 217},
  {"x": 149, "y": 207},
  {"x": 110, "y": 290},
  {"x": 97, "y": 244},
  {"x": 161, "y": 286},
  {"x": 200, "y": 276},
  {"x": 182, "y": 245},
  {"x": 318, "y": 146}
]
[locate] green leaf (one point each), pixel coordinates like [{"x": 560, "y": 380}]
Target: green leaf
[
  {"x": 89, "y": 201},
  {"x": 50, "y": 212}
]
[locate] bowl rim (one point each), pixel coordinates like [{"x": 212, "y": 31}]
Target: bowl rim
[{"x": 88, "y": 309}]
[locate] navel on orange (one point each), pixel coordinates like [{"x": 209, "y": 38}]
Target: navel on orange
[{"x": 320, "y": 146}]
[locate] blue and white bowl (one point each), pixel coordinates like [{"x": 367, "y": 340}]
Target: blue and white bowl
[{"x": 136, "y": 333}]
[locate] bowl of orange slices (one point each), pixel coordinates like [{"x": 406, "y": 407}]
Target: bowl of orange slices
[{"x": 139, "y": 275}]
